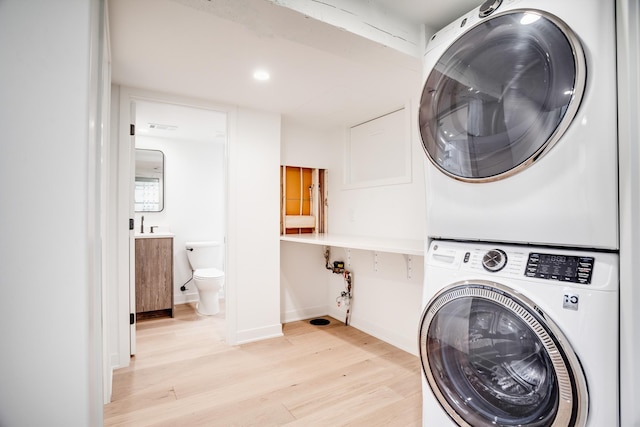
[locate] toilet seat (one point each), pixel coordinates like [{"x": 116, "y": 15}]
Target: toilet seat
[{"x": 208, "y": 273}]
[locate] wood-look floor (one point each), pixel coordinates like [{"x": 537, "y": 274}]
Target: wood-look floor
[{"x": 185, "y": 375}]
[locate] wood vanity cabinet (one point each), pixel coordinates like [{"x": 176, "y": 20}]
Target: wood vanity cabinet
[{"x": 154, "y": 276}]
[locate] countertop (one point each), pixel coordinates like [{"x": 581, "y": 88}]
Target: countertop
[
  {"x": 378, "y": 244},
  {"x": 154, "y": 235}
]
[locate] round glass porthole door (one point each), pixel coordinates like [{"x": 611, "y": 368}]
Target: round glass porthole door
[
  {"x": 501, "y": 95},
  {"x": 492, "y": 360}
]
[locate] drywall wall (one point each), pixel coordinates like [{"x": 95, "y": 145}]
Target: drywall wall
[
  {"x": 303, "y": 278},
  {"x": 387, "y": 290},
  {"x": 386, "y": 301},
  {"x": 112, "y": 336},
  {"x": 387, "y": 295},
  {"x": 253, "y": 230},
  {"x": 304, "y": 282},
  {"x": 380, "y": 210},
  {"x": 194, "y": 200},
  {"x": 50, "y": 314}
]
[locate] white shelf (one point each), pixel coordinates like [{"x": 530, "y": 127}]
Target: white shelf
[{"x": 376, "y": 244}]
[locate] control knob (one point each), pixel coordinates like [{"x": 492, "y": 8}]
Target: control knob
[
  {"x": 494, "y": 260},
  {"x": 488, "y": 7}
]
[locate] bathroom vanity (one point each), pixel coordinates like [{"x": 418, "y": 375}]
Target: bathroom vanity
[{"x": 154, "y": 275}]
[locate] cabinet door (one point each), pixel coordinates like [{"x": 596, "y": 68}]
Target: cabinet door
[{"x": 154, "y": 274}]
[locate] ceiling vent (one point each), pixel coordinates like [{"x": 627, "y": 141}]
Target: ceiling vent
[{"x": 158, "y": 126}]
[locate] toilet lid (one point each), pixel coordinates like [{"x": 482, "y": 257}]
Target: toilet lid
[{"x": 208, "y": 273}]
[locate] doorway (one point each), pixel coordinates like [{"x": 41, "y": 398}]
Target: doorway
[{"x": 192, "y": 142}]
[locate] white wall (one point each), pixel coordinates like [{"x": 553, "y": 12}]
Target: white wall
[
  {"x": 50, "y": 313},
  {"x": 383, "y": 211},
  {"x": 306, "y": 147},
  {"x": 113, "y": 337},
  {"x": 304, "y": 282},
  {"x": 386, "y": 302},
  {"x": 304, "y": 279},
  {"x": 194, "y": 200},
  {"x": 253, "y": 244}
]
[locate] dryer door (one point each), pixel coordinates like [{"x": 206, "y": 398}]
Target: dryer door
[
  {"x": 501, "y": 95},
  {"x": 493, "y": 359}
]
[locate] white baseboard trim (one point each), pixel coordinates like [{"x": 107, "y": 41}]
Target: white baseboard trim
[
  {"x": 337, "y": 313},
  {"x": 108, "y": 386},
  {"x": 389, "y": 336},
  {"x": 258, "y": 334},
  {"x": 114, "y": 361},
  {"x": 185, "y": 298},
  {"x": 304, "y": 313}
]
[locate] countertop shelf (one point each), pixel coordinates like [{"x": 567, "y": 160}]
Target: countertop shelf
[
  {"x": 376, "y": 244},
  {"x": 155, "y": 235}
]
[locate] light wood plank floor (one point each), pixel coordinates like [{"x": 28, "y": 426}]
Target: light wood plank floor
[{"x": 185, "y": 375}]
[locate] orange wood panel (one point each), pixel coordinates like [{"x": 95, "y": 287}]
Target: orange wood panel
[{"x": 298, "y": 181}]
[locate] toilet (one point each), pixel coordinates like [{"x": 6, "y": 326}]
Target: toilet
[{"x": 205, "y": 259}]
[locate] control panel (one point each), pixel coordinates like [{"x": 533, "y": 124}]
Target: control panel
[
  {"x": 537, "y": 264},
  {"x": 565, "y": 268}
]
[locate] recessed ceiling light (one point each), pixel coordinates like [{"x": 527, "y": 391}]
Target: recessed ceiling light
[{"x": 261, "y": 75}]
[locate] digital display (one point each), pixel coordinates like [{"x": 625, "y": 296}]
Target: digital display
[{"x": 565, "y": 268}]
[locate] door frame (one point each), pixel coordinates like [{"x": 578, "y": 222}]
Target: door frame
[{"x": 125, "y": 237}]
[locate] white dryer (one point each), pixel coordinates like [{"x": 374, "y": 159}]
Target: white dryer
[
  {"x": 517, "y": 335},
  {"x": 518, "y": 122}
]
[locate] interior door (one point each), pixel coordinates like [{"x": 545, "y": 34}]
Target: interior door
[
  {"x": 492, "y": 358},
  {"x": 501, "y": 95}
]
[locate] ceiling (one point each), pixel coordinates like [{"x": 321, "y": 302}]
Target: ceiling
[
  {"x": 179, "y": 122},
  {"x": 321, "y": 76},
  {"x": 433, "y": 13}
]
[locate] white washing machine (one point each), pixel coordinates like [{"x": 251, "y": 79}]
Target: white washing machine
[
  {"x": 518, "y": 122},
  {"x": 518, "y": 335}
]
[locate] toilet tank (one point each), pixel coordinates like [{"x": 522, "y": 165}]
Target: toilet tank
[{"x": 204, "y": 255}]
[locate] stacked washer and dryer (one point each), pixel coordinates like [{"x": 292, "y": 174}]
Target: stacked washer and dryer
[{"x": 520, "y": 308}]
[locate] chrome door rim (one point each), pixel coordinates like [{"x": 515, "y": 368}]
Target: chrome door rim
[{"x": 572, "y": 384}]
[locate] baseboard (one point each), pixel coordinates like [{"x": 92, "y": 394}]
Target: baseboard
[
  {"x": 304, "y": 313},
  {"x": 386, "y": 335},
  {"x": 114, "y": 360},
  {"x": 185, "y": 298},
  {"x": 258, "y": 334},
  {"x": 337, "y": 313},
  {"x": 108, "y": 387}
]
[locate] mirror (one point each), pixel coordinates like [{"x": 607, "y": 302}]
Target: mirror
[{"x": 149, "y": 183}]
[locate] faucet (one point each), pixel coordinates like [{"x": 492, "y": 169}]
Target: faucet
[
  {"x": 142, "y": 225},
  {"x": 152, "y": 227}
]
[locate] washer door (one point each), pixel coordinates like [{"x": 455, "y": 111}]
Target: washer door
[
  {"x": 501, "y": 95},
  {"x": 492, "y": 359}
]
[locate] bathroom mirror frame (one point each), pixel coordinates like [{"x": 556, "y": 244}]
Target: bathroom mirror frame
[{"x": 149, "y": 181}]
